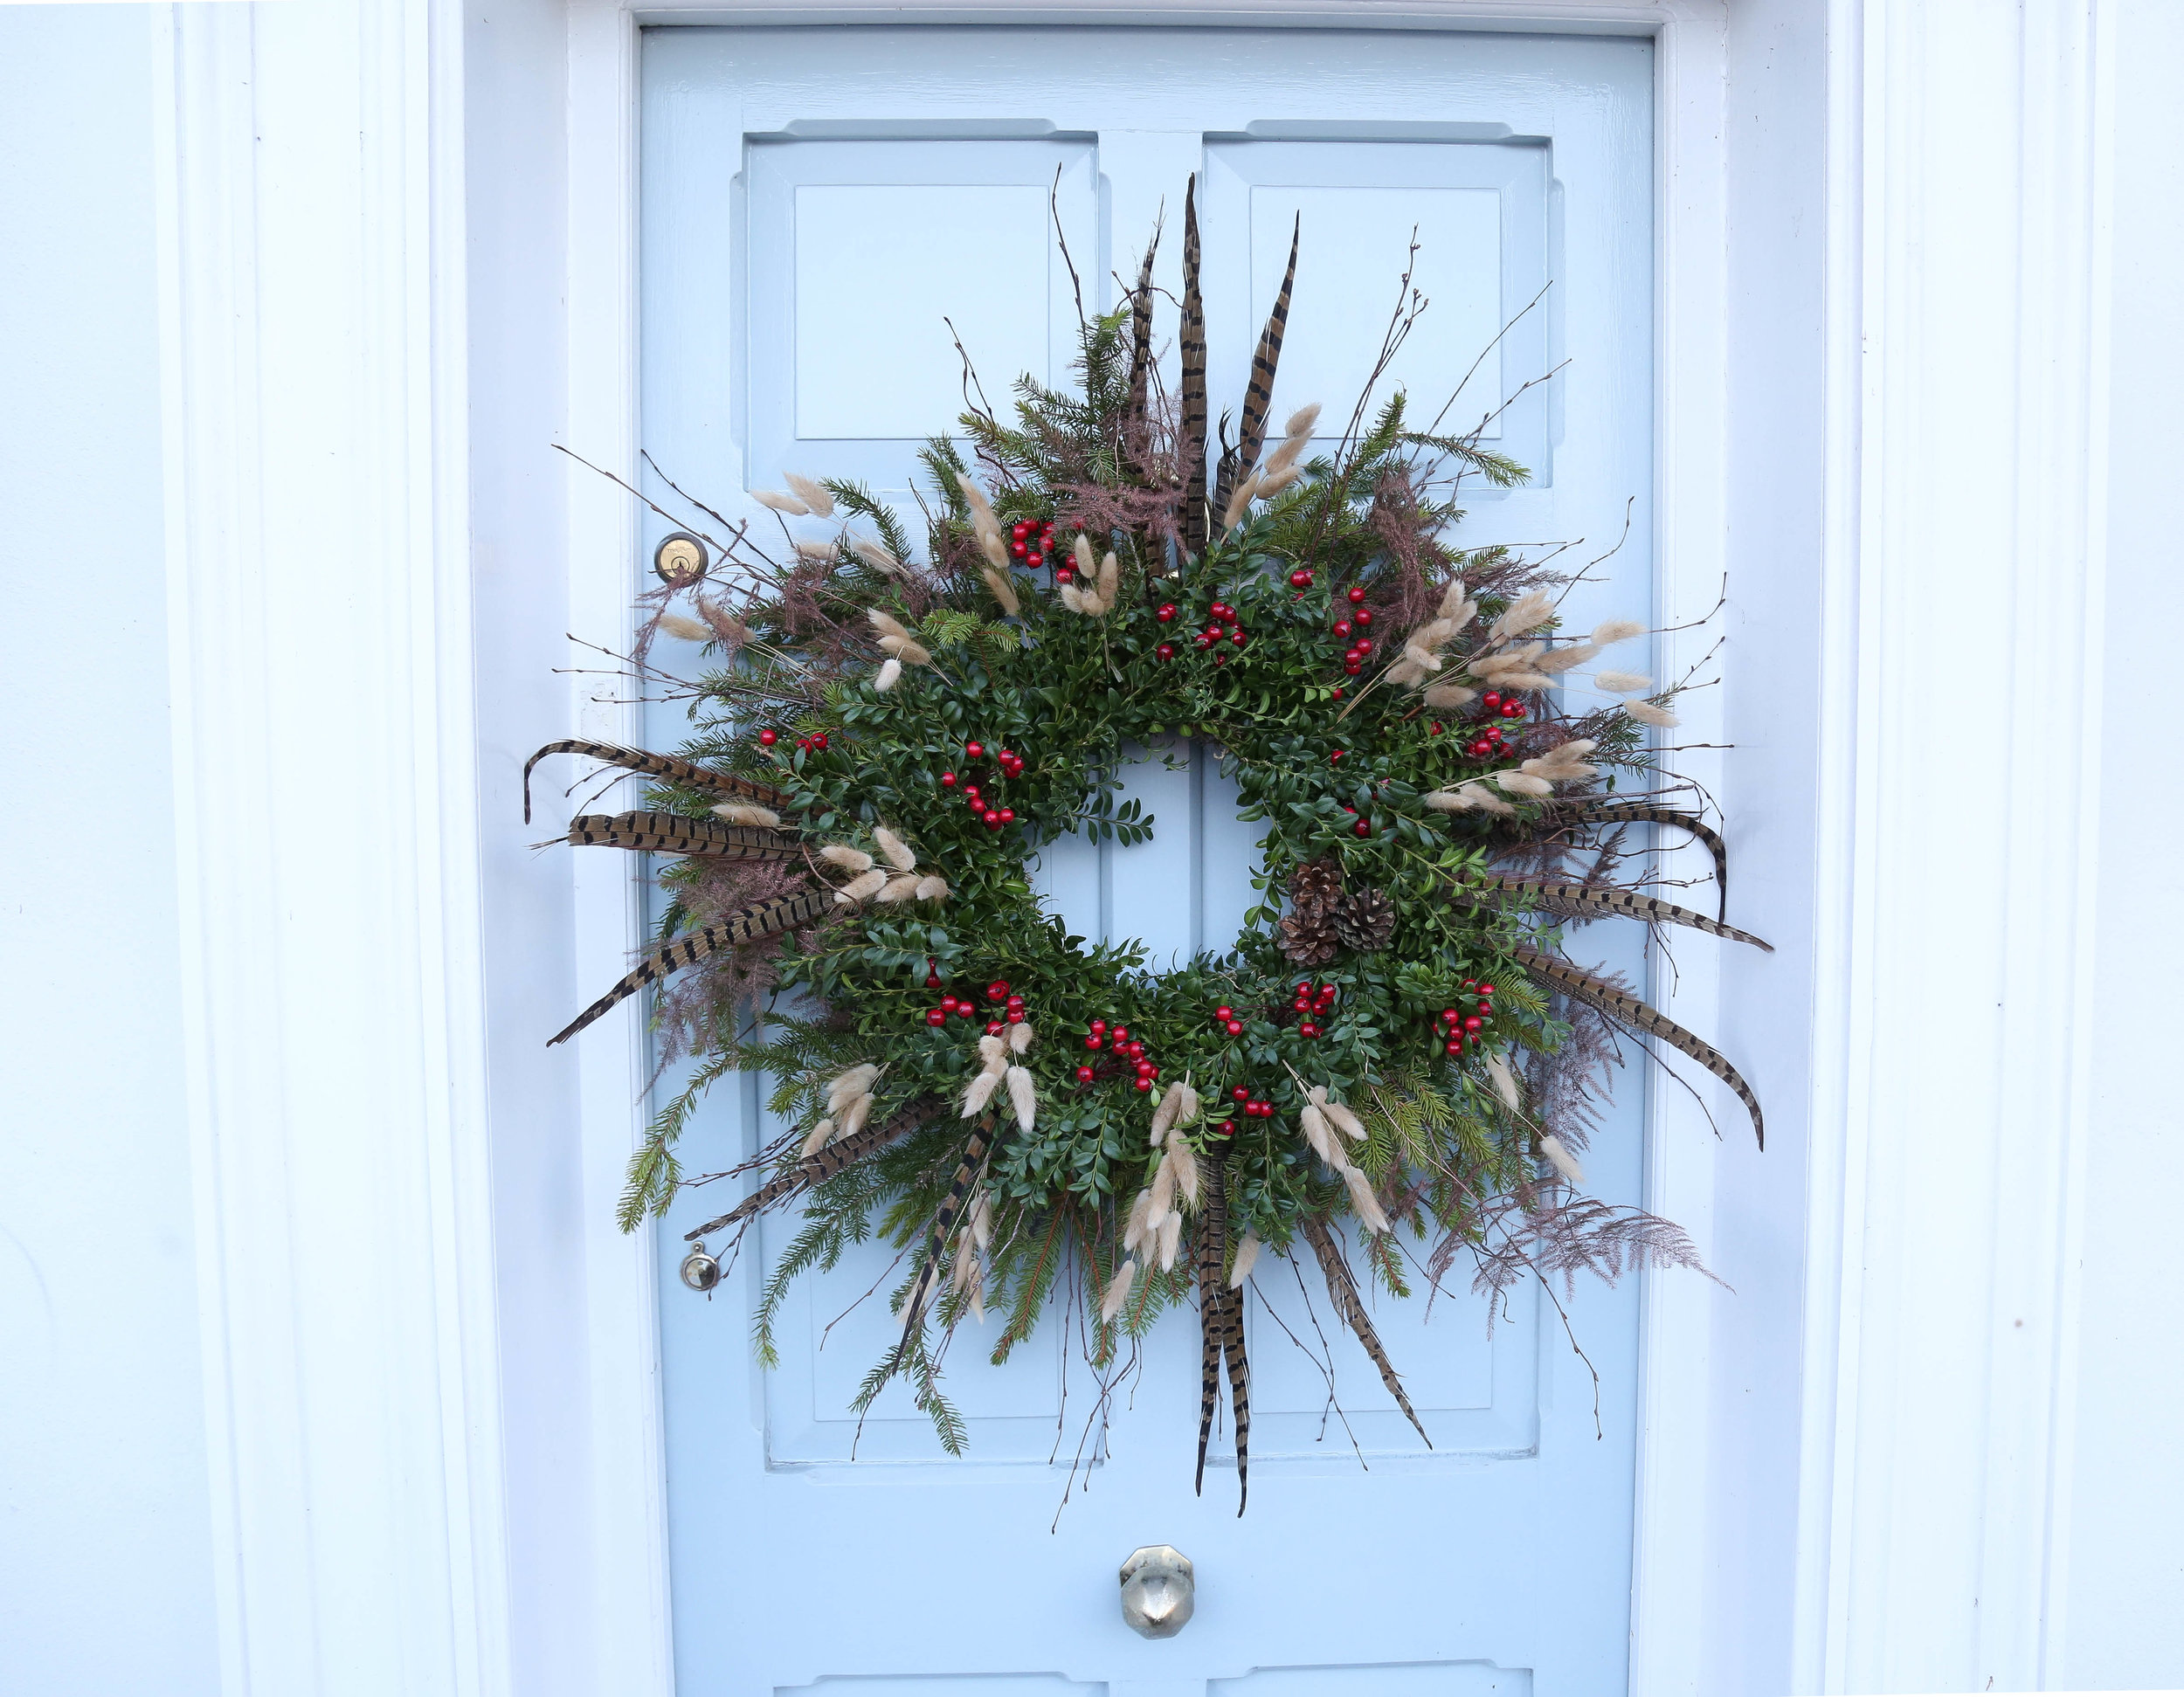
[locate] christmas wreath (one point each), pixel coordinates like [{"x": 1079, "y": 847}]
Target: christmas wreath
[{"x": 1393, "y": 1037}]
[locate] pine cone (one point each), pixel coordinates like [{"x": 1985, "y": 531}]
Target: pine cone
[
  {"x": 1307, "y": 931},
  {"x": 1364, "y": 922}
]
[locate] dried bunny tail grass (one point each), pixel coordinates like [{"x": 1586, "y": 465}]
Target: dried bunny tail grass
[
  {"x": 1454, "y": 606},
  {"x": 1162, "y": 1192},
  {"x": 1019, "y": 1037},
  {"x": 888, "y": 624},
  {"x": 817, "y": 554},
  {"x": 1240, "y": 503},
  {"x": 1301, "y": 420},
  {"x": 1247, "y": 1258},
  {"x": 1140, "y": 1221},
  {"x": 685, "y": 630},
  {"x": 1023, "y": 1097},
  {"x": 981, "y": 508},
  {"x": 1449, "y": 695},
  {"x": 967, "y": 1262},
  {"x": 1110, "y": 581},
  {"x": 845, "y": 1087},
  {"x": 979, "y": 1093},
  {"x": 1317, "y": 1132},
  {"x": 1371, "y": 1214},
  {"x": 896, "y": 851},
  {"x": 993, "y": 1052},
  {"x": 781, "y": 503},
  {"x": 1076, "y": 601},
  {"x": 862, "y": 887},
  {"x": 1650, "y": 713},
  {"x": 908, "y": 651},
  {"x": 821, "y": 1134},
  {"x": 744, "y": 813},
  {"x": 982, "y": 1219},
  {"x": 889, "y": 675},
  {"x": 1524, "y": 680},
  {"x": 1081, "y": 551},
  {"x": 1178, "y": 1104},
  {"x": 1171, "y": 1236},
  {"x": 876, "y": 556},
  {"x": 902, "y": 887},
  {"x": 932, "y": 887},
  {"x": 1559, "y": 660},
  {"x": 1616, "y": 683},
  {"x": 1405, "y": 673},
  {"x": 812, "y": 494},
  {"x": 1342, "y": 1118},
  {"x": 1613, "y": 630},
  {"x": 1484, "y": 799},
  {"x": 854, "y": 1117},
  {"x": 1186, "y": 1170},
  {"x": 1521, "y": 657},
  {"x": 1530, "y": 611},
  {"x": 1560, "y": 1159},
  {"x": 1563, "y": 763},
  {"x": 1449, "y": 800},
  {"x": 1504, "y": 1082},
  {"x": 730, "y": 630},
  {"x": 1118, "y": 1291},
  {"x": 996, "y": 579},
  {"x": 1274, "y": 482},
  {"x": 1284, "y": 456},
  {"x": 849, "y": 858}
]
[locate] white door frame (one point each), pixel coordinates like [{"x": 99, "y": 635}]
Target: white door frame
[{"x": 439, "y": 1470}]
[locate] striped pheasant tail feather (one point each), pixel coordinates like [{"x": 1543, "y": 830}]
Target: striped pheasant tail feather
[
  {"x": 1627, "y": 1010},
  {"x": 1239, "y": 1390},
  {"x": 1342, "y": 1291},
  {"x": 658, "y": 766},
  {"x": 1193, "y": 340},
  {"x": 929, "y": 1271},
  {"x": 1646, "y": 813},
  {"x": 815, "y": 1169},
  {"x": 1258, "y": 397},
  {"x": 671, "y": 833},
  {"x": 1221, "y": 1330},
  {"x": 751, "y": 925},
  {"x": 1578, "y": 898},
  {"x": 1141, "y": 335}
]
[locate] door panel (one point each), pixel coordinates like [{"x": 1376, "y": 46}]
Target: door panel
[{"x": 815, "y": 205}]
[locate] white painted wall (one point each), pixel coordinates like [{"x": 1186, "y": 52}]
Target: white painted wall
[
  {"x": 105, "y": 1551},
  {"x": 111, "y": 1509}
]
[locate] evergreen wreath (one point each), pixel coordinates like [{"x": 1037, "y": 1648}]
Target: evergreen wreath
[{"x": 1394, "y": 1036}]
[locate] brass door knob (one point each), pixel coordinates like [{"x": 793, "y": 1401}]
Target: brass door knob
[{"x": 1158, "y": 1591}]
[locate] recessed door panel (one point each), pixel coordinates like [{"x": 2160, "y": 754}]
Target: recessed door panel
[{"x": 825, "y": 212}]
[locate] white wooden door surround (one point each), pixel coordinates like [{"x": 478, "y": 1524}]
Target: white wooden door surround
[
  {"x": 817, "y": 209},
  {"x": 399, "y": 245}
]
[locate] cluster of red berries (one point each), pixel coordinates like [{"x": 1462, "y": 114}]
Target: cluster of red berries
[
  {"x": 1457, "y": 1029},
  {"x": 1487, "y": 743},
  {"x": 1012, "y": 1006},
  {"x": 1225, "y": 1016},
  {"x": 1247, "y": 1105},
  {"x": 991, "y": 813},
  {"x": 1311, "y": 1006},
  {"x": 1301, "y": 579},
  {"x": 1030, "y": 544},
  {"x": 1355, "y": 629},
  {"x": 1118, "y": 1040},
  {"x": 768, "y": 737}
]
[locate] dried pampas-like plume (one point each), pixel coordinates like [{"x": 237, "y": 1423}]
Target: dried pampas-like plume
[
  {"x": 812, "y": 493},
  {"x": 1559, "y": 660},
  {"x": 1118, "y": 1291},
  {"x": 896, "y": 851},
  {"x": 821, "y": 1134},
  {"x": 1466, "y": 796},
  {"x": 875, "y": 556},
  {"x": 1560, "y": 1159},
  {"x": 1371, "y": 1214},
  {"x": 854, "y": 1117},
  {"x": 1530, "y": 611},
  {"x": 1340, "y": 1115},
  {"x": 1186, "y": 1172},
  {"x": 781, "y": 503},
  {"x": 979, "y": 1093},
  {"x": 1564, "y": 762},
  {"x": 1140, "y": 1221},
  {"x": 1504, "y": 1082},
  {"x": 1317, "y": 1132},
  {"x": 1178, "y": 1106},
  {"x": 1023, "y": 1097},
  {"x": 849, "y": 858},
  {"x": 1449, "y": 695},
  {"x": 685, "y": 630},
  {"x": 1614, "y": 630},
  {"x": 997, "y": 580},
  {"x": 817, "y": 554},
  {"x": 1170, "y": 1237},
  {"x": 745, "y": 813},
  {"x": 901, "y": 888},
  {"x": 1301, "y": 422},
  {"x": 1647, "y": 712},
  {"x": 1522, "y": 784},
  {"x": 1240, "y": 503},
  {"x": 1019, "y": 1037},
  {"x": 1622, "y": 683},
  {"x": 845, "y": 1087},
  {"x": 889, "y": 675},
  {"x": 1247, "y": 1258},
  {"x": 1162, "y": 1193},
  {"x": 932, "y": 887},
  {"x": 862, "y": 887}
]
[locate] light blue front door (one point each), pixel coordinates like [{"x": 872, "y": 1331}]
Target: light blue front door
[{"x": 814, "y": 202}]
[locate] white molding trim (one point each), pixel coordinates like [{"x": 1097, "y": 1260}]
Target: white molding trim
[
  {"x": 1967, "y": 290},
  {"x": 311, "y": 217}
]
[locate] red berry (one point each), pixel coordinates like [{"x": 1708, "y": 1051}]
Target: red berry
[
  {"x": 1240, "y": 1094},
  {"x": 1436, "y": 729},
  {"x": 768, "y": 738},
  {"x": 974, "y": 750},
  {"x": 1141, "y": 1084},
  {"x": 1450, "y": 1016},
  {"x": 1237, "y": 638},
  {"x": 1343, "y": 629},
  {"x": 1084, "y": 1075},
  {"x": 998, "y": 990},
  {"x": 1122, "y": 1033},
  {"x": 1224, "y": 1013},
  {"x": 1220, "y": 660},
  {"x": 1337, "y": 755},
  {"x": 970, "y": 792},
  {"x": 1337, "y": 692},
  {"x": 803, "y": 744},
  {"x": 964, "y": 1010},
  {"x": 1308, "y": 1030},
  {"x": 1092, "y": 1042},
  {"x": 1474, "y": 1023},
  {"x": 1065, "y": 574},
  {"x": 1363, "y": 829},
  {"x": 992, "y": 820},
  {"x": 1166, "y": 651},
  {"x": 1008, "y": 816},
  {"x": 1486, "y": 990},
  {"x": 1226, "y": 1129},
  {"x": 820, "y": 742},
  {"x": 1201, "y": 640},
  {"x": 1454, "y": 1046},
  {"x": 1300, "y": 579},
  {"x": 1362, "y": 617},
  {"x": 1351, "y": 668},
  {"x": 1234, "y": 1027},
  {"x": 1512, "y": 709},
  {"x": 934, "y": 1017},
  {"x": 1491, "y": 699},
  {"x": 993, "y": 1028},
  {"x": 1356, "y": 594},
  {"x": 1018, "y": 547},
  {"x": 1035, "y": 560},
  {"x": 1016, "y": 1001},
  {"x": 1165, "y": 613},
  {"x": 948, "y": 1005},
  {"x": 1099, "y": 1024}
]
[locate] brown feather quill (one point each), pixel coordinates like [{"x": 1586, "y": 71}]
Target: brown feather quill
[
  {"x": 1193, "y": 338},
  {"x": 671, "y": 833},
  {"x": 658, "y": 766},
  {"x": 1581, "y": 899},
  {"x": 1259, "y": 396},
  {"x": 816, "y": 1168},
  {"x": 1646, "y": 813},
  {"x": 1349, "y": 1308}
]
